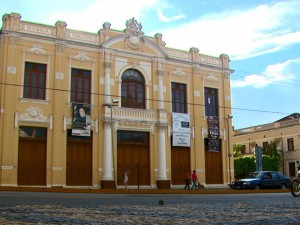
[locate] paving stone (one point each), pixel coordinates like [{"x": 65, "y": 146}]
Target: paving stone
[{"x": 216, "y": 214}]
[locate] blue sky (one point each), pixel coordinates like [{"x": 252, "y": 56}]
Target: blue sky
[{"x": 261, "y": 37}]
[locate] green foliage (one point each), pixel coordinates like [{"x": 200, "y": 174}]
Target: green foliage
[
  {"x": 236, "y": 150},
  {"x": 270, "y": 150},
  {"x": 271, "y": 163},
  {"x": 243, "y": 166}
]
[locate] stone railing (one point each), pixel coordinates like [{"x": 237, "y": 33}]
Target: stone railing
[
  {"x": 289, "y": 123},
  {"x": 267, "y": 127},
  {"x": 139, "y": 115}
]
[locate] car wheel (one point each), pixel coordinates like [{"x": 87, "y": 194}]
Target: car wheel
[
  {"x": 283, "y": 186},
  {"x": 257, "y": 187}
]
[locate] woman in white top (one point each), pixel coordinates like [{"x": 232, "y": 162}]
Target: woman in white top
[{"x": 125, "y": 178}]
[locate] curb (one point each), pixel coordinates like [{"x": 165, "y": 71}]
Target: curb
[{"x": 141, "y": 191}]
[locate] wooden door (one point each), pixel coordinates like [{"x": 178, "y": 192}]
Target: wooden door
[
  {"x": 32, "y": 161},
  {"x": 79, "y": 163},
  {"x": 135, "y": 158},
  {"x": 292, "y": 169},
  {"x": 180, "y": 161},
  {"x": 213, "y": 167}
]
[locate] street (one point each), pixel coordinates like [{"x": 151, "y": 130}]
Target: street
[{"x": 75, "y": 208}]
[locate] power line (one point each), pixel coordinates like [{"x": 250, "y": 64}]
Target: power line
[
  {"x": 167, "y": 69},
  {"x": 150, "y": 99}
]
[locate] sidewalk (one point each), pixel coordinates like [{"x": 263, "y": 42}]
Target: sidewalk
[{"x": 141, "y": 191}]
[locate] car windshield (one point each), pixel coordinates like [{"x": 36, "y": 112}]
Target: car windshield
[{"x": 255, "y": 175}]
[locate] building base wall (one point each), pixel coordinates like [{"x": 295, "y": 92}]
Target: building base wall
[
  {"x": 163, "y": 184},
  {"x": 108, "y": 184}
]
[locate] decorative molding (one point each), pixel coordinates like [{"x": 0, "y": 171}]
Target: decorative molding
[
  {"x": 108, "y": 57},
  {"x": 57, "y": 168},
  {"x": 160, "y": 65},
  {"x": 59, "y": 76},
  {"x": 155, "y": 88},
  {"x": 101, "y": 80},
  {"x": 197, "y": 93},
  {"x": 33, "y": 114},
  {"x": 178, "y": 72},
  {"x": 35, "y": 101},
  {"x": 38, "y": 50},
  {"x": 14, "y": 38},
  {"x": 82, "y": 56},
  {"x": 11, "y": 70},
  {"x": 135, "y": 35},
  {"x": 227, "y": 98},
  {"x": 120, "y": 63},
  {"x": 147, "y": 69},
  {"x": 204, "y": 132},
  {"x": 211, "y": 77},
  {"x": 106, "y": 122},
  {"x": 61, "y": 46},
  {"x": 161, "y": 126},
  {"x": 7, "y": 167}
]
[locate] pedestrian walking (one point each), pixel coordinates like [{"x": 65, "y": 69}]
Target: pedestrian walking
[
  {"x": 187, "y": 180},
  {"x": 125, "y": 178},
  {"x": 194, "y": 180}
]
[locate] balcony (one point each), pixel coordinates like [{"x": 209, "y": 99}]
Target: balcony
[{"x": 131, "y": 115}]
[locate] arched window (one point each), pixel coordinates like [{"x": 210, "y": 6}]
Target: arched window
[{"x": 133, "y": 89}]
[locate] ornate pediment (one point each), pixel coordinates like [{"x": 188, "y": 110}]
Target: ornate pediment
[
  {"x": 38, "y": 50},
  {"x": 135, "y": 35},
  {"x": 33, "y": 114}
]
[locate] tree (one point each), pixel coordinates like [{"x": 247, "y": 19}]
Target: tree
[
  {"x": 243, "y": 166},
  {"x": 271, "y": 150},
  {"x": 237, "y": 150}
]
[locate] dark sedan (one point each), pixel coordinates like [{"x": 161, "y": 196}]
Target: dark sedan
[{"x": 263, "y": 179}]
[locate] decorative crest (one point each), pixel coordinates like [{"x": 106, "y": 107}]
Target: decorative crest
[
  {"x": 135, "y": 35},
  {"x": 133, "y": 25}
]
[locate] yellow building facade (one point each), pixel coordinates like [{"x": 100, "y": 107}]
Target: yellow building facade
[
  {"x": 284, "y": 132},
  {"x": 80, "y": 109}
]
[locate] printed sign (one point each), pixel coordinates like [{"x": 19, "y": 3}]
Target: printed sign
[
  {"x": 81, "y": 122},
  {"x": 181, "y": 129},
  {"x": 213, "y": 134}
]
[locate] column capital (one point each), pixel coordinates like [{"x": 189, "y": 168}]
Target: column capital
[
  {"x": 107, "y": 64},
  {"x": 161, "y": 126}
]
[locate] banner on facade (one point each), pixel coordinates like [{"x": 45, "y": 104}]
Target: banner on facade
[
  {"x": 181, "y": 130},
  {"x": 213, "y": 134},
  {"x": 81, "y": 121}
]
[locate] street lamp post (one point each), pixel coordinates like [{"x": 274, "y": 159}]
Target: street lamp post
[
  {"x": 114, "y": 102},
  {"x": 229, "y": 152}
]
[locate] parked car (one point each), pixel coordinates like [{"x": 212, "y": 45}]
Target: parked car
[{"x": 263, "y": 179}]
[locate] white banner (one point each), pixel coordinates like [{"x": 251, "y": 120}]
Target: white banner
[
  {"x": 181, "y": 122},
  {"x": 181, "y": 139},
  {"x": 181, "y": 129}
]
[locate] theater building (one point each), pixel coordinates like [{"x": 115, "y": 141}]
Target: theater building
[{"x": 79, "y": 108}]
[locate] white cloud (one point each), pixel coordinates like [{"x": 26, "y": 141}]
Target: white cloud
[
  {"x": 240, "y": 34},
  {"x": 273, "y": 74},
  {"x": 163, "y": 18},
  {"x": 116, "y": 12}
]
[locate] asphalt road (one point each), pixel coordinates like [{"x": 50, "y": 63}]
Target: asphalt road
[{"x": 79, "y": 208}]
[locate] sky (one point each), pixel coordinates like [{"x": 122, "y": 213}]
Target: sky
[{"x": 261, "y": 37}]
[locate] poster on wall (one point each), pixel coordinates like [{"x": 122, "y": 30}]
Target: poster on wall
[
  {"x": 213, "y": 134},
  {"x": 181, "y": 129},
  {"x": 81, "y": 121}
]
